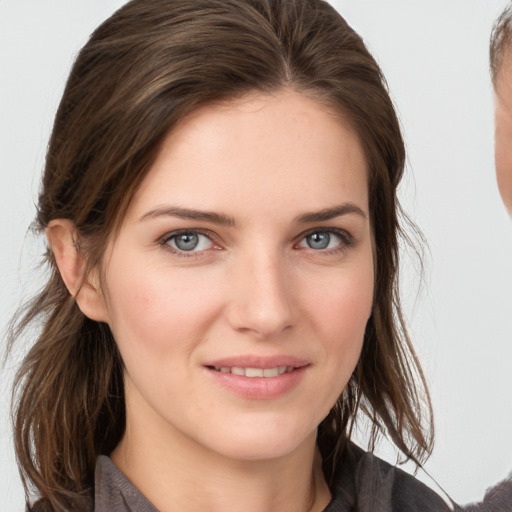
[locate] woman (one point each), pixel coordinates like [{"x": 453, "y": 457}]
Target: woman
[{"x": 220, "y": 204}]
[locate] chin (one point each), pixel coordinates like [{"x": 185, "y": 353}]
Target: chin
[
  {"x": 260, "y": 442},
  {"x": 257, "y": 450}
]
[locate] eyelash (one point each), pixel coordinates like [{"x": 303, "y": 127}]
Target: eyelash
[
  {"x": 164, "y": 242},
  {"x": 346, "y": 241}
]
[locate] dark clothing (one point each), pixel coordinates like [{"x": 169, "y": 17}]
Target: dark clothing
[
  {"x": 363, "y": 483},
  {"x": 497, "y": 499},
  {"x": 114, "y": 492}
]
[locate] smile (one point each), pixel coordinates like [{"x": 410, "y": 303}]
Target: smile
[
  {"x": 255, "y": 372},
  {"x": 257, "y": 378}
]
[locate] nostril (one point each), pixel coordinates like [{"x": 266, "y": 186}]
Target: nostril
[{"x": 261, "y": 303}]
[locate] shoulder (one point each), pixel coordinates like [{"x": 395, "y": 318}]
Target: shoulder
[
  {"x": 412, "y": 495},
  {"x": 497, "y": 499},
  {"x": 365, "y": 483}
]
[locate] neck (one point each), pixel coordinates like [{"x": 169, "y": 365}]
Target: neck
[{"x": 175, "y": 473}]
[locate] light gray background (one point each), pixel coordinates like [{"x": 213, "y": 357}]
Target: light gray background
[{"x": 434, "y": 55}]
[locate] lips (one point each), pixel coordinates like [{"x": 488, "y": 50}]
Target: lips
[
  {"x": 259, "y": 362},
  {"x": 256, "y": 377},
  {"x": 255, "y": 372}
]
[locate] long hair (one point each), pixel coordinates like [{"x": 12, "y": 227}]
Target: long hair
[{"x": 142, "y": 70}]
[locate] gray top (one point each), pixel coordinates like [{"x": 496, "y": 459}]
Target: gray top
[
  {"x": 364, "y": 483},
  {"x": 114, "y": 492}
]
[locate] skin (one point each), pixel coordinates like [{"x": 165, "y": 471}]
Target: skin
[
  {"x": 503, "y": 131},
  {"x": 252, "y": 287}
]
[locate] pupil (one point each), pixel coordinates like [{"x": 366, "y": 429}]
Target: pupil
[
  {"x": 319, "y": 240},
  {"x": 187, "y": 242}
]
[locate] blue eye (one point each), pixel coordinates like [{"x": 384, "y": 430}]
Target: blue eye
[
  {"x": 188, "y": 241},
  {"x": 323, "y": 240}
]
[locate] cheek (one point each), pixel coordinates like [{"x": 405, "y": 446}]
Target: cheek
[
  {"x": 158, "y": 311},
  {"x": 340, "y": 312},
  {"x": 504, "y": 174},
  {"x": 503, "y": 155},
  {"x": 341, "y": 309}
]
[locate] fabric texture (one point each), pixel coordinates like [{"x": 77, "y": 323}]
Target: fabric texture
[
  {"x": 113, "y": 492},
  {"x": 497, "y": 499},
  {"x": 363, "y": 483}
]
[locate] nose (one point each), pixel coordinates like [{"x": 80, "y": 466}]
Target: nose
[{"x": 262, "y": 301}]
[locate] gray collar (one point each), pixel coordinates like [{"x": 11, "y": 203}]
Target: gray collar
[{"x": 114, "y": 492}]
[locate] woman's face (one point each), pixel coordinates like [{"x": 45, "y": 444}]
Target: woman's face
[{"x": 241, "y": 282}]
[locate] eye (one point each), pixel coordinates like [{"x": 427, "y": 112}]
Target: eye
[
  {"x": 322, "y": 240},
  {"x": 187, "y": 241}
]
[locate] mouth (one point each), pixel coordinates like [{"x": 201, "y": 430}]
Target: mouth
[
  {"x": 255, "y": 372},
  {"x": 258, "y": 378}
]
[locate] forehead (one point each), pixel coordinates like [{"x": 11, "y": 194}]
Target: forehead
[{"x": 258, "y": 149}]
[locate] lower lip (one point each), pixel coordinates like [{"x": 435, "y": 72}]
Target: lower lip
[{"x": 259, "y": 388}]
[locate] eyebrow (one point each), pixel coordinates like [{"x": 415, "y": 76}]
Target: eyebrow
[
  {"x": 190, "y": 214},
  {"x": 331, "y": 213},
  {"x": 226, "y": 220}
]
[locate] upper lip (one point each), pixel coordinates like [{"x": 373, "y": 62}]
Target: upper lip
[{"x": 254, "y": 361}]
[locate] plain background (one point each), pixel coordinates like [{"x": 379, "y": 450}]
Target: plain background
[{"x": 434, "y": 55}]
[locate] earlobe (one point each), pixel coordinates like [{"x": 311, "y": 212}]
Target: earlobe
[{"x": 62, "y": 236}]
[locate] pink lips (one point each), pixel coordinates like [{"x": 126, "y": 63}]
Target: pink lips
[{"x": 258, "y": 378}]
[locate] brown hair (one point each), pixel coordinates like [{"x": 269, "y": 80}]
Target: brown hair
[
  {"x": 142, "y": 71},
  {"x": 501, "y": 42}
]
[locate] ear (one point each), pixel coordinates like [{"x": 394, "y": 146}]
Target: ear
[{"x": 72, "y": 263}]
